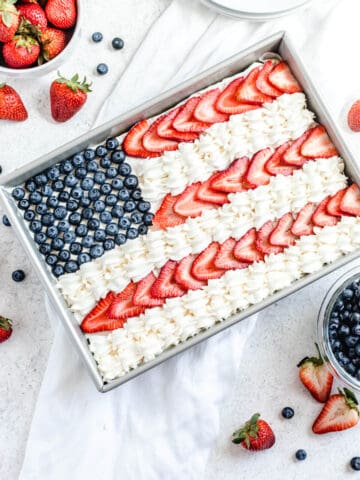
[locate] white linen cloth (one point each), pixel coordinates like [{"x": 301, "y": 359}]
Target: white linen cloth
[{"x": 163, "y": 424}]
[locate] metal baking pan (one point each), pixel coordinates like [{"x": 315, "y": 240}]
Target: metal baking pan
[{"x": 278, "y": 43}]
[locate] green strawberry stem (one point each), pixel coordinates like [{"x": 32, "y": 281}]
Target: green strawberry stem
[
  {"x": 250, "y": 429},
  {"x": 317, "y": 361},
  {"x": 27, "y": 28},
  {"x": 8, "y": 10},
  {"x": 5, "y": 323},
  {"x": 74, "y": 83},
  {"x": 350, "y": 399}
]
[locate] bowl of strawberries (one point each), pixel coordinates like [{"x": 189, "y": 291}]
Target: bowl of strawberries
[{"x": 36, "y": 36}]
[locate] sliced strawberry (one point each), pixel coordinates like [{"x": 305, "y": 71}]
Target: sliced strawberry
[
  {"x": 318, "y": 144},
  {"x": 248, "y": 91},
  {"x": 303, "y": 224},
  {"x": 185, "y": 121},
  {"x": 275, "y": 165},
  {"x": 282, "y": 78},
  {"x": 263, "y": 239},
  {"x": 187, "y": 205},
  {"x": 142, "y": 296},
  {"x": 293, "y": 156},
  {"x": 231, "y": 179},
  {"x": 123, "y": 307},
  {"x": 321, "y": 217},
  {"x": 166, "y": 216},
  {"x": 208, "y": 194},
  {"x": 154, "y": 143},
  {"x": 228, "y": 103},
  {"x": 204, "y": 267},
  {"x": 97, "y": 320},
  {"x": 205, "y": 110},
  {"x": 262, "y": 81},
  {"x": 282, "y": 235},
  {"x": 257, "y": 174},
  {"x": 340, "y": 412},
  {"x": 184, "y": 277},
  {"x": 165, "y": 285},
  {"x": 245, "y": 250},
  {"x": 316, "y": 376},
  {"x": 225, "y": 259},
  {"x": 166, "y": 130},
  {"x": 350, "y": 202},
  {"x": 333, "y": 205},
  {"x": 133, "y": 145}
]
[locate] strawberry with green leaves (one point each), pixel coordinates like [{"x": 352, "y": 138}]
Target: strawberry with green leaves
[
  {"x": 53, "y": 42},
  {"x": 5, "y": 329},
  {"x": 21, "y": 52},
  {"x": 34, "y": 14},
  {"x": 11, "y": 105},
  {"x": 9, "y": 20},
  {"x": 256, "y": 434},
  {"x": 67, "y": 97}
]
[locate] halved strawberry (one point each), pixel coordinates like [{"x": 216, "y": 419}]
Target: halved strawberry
[
  {"x": 228, "y": 103},
  {"x": 245, "y": 250},
  {"x": 165, "y": 285},
  {"x": 303, "y": 224},
  {"x": 340, "y": 412},
  {"x": 282, "y": 235},
  {"x": 166, "y": 216},
  {"x": 282, "y": 78},
  {"x": 184, "y": 277},
  {"x": 225, "y": 259},
  {"x": 231, "y": 179},
  {"x": 204, "y": 267},
  {"x": 208, "y": 194},
  {"x": 166, "y": 130},
  {"x": 321, "y": 217},
  {"x": 97, "y": 320},
  {"x": 275, "y": 165},
  {"x": 350, "y": 202},
  {"x": 257, "y": 174},
  {"x": 133, "y": 145},
  {"x": 333, "y": 205},
  {"x": 142, "y": 295},
  {"x": 262, "y": 81},
  {"x": 185, "y": 121},
  {"x": 187, "y": 205},
  {"x": 263, "y": 236},
  {"x": 249, "y": 93},
  {"x": 123, "y": 307},
  {"x": 318, "y": 144},
  {"x": 154, "y": 143},
  {"x": 205, "y": 110},
  {"x": 293, "y": 156}
]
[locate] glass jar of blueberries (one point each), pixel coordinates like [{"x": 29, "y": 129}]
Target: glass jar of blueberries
[{"x": 339, "y": 328}]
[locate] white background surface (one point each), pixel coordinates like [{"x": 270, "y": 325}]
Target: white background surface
[{"x": 284, "y": 334}]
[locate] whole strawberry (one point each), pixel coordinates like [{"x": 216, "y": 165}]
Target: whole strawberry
[
  {"x": 53, "y": 42},
  {"x": 256, "y": 434},
  {"x": 34, "y": 14},
  {"x": 61, "y": 13},
  {"x": 354, "y": 117},
  {"x": 67, "y": 97},
  {"x": 21, "y": 52},
  {"x": 11, "y": 105},
  {"x": 9, "y": 20},
  {"x": 5, "y": 329}
]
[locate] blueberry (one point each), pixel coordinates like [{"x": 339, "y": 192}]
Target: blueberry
[
  {"x": 355, "y": 463},
  {"x": 336, "y": 345},
  {"x": 18, "y": 275},
  {"x": 87, "y": 184},
  {"x": 81, "y": 230},
  {"x": 57, "y": 244},
  {"x": 65, "y": 166},
  {"x": 112, "y": 229},
  {"x": 351, "y": 352},
  {"x": 58, "y": 270},
  {"x": 76, "y": 248},
  {"x": 124, "y": 194},
  {"x": 51, "y": 259},
  {"x": 71, "y": 266},
  {"x": 94, "y": 194},
  {"x": 136, "y": 217},
  {"x": 105, "y": 162},
  {"x": 75, "y": 218},
  {"x": 40, "y": 238},
  {"x": 112, "y": 143},
  {"x": 300, "y": 454},
  {"x": 111, "y": 200},
  {"x": 60, "y": 213},
  {"x": 111, "y": 172},
  {"x": 131, "y": 181},
  {"x": 79, "y": 159},
  {"x": 87, "y": 213},
  {"x": 97, "y": 37},
  {"x": 136, "y": 194},
  {"x": 117, "y": 211},
  {"x": 144, "y": 206},
  {"x": 129, "y": 206},
  {"x": 351, "y": 340},
  {"x": 355, "y": 330},
  {"x": 53, "y": 173},
  {"x": 118, "y": 156},
  {"x": 89, "y": 154},
  {"x": 35, "y": 198},
  {"x": 143, "y": 229},
  {"x": 93, "y": 224},
  {"x": 355, "y": 317},
  {"x": 41, "y": 209},
  {"x": 92, "y": 166},
  {"x": 347, "y": 293},
  {"x": 35, "y": 226},
  {"x": 148, "y": 218},
  {"x": 83, "y": 258},
  {"x": 87, "y": 241},
  {"x": 40, "y": 179},
  {"x": 69, "y": 237},
  {"x": 101, "y": 151},
  {"x": 124, "y": 223},
  {"x": 72, "y": 205},
  {"x": 52, "y": 231},
  {"x": 334, "y": 324},
  {"x": 350, "y": 368},
  {"x": 64, "y": 196},
  {"x": 58, "y": 186},
  {"x": 342, "y": 358},
  {"x": 29, "y": 215},
  {"x": 357, "y": 349},
  {"x": 105, "y": 189},
  {"x": 85, "y": 202},
  {"x": 64, "y": 255},
  {"x": 120, "y": 239},
  {"x": 132, "y": 233},
  {"x": 100, "y": 235},
  {"x": 70, "y": 180},
  {"x": 105, "y": 217},
  {"x": 117, "y": 43},
  {"x": 102, "y": 69},
  {"x": 109, "y": 244},
  {"x": 46, "y": 190},
  {"x": 81, "y": 173},
  {"x": 99, "y": 206},
  {"x": 334, "y": 314},
  {"x": 97, "y": 251},
  {"x": 77, "y": 193},
  {"x": 287, "y": 412},
  {"x": 117, "y": 183},
  {"x": 63, "y": 226},
  {"x": 6, "y": 221},
  {"x": 344, "y": 315},
  {"x": 344, "y": 330},
  {"x": 125, "y": 169},
  {"x": 24, "y": 204},
  {"x": 45, "y": 249},
  {"x": 30, "y": 186},
  {"x": 100, "y": 177}
]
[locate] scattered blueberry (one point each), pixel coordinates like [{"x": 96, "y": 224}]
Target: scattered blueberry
[
  {"x": 117, "y": 43},
  {"x": 6, "y": 221},
  {"x": 300, "y": 454},
  {"x": 355, "y": 463},
  {"x": 287, "y": 412},
  {"x": 97, "y": 37},
  {"x": 18, "y": 275},
  {"x": 102, "y": 69}
]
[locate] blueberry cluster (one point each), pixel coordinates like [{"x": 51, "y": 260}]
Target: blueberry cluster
[
  {"x": 84, "y": 206},
  {"x": 344, "y": 329}
]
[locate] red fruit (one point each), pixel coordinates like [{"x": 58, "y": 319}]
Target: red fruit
[
  {"x": 315, "y": 375},
  {"x": 204, "y": 267},
  {"x": 166, "y": 130},
  {"x": 142, "y": 295},
  {"x": 263, "y": 239},
  {"x": 262, "y": 81},
  {"x": 67, "y": 97},
  {"x": 257, "y": 174},
  {"x": 248, "y": 91},
  {"x": 5, "y": 329},
  {"x": 53, "y": 42},
  {"x": 11, "y": 105},
  {"x": 185, "y": 121},
  {"x": 34, "y": 14},
  {"x": 133, "y": 145},
  {"x": 165, "y": 286},
  {"x": 152, "y": 142},
  {"x": 282, "y": 235},
  {"x": 245, "y": 250},
  {"x": 256, "y": 434},
  {"x": 318, "y": 144},
  {"x": 275, "y": 165},
  {"x": 187, "y": 205},
  {"x": 353, "y": 117},
  {"x": 231, "y": 179},
  {"x": 9, "y": 20},
  {"x": 350, "y": 202},
  {"x": 340, "y": 412},
  {"x": 166, "y": 216},
  {"x": 205, "y": 110},
  {"x": 21, "y": 52},
  {"x": 97, "y": 320},
  {"x": 293, "y": 156},
  {"x": 228, "y": 103},
  {"x": 225, "y": 259},
  {"x": 61, "y": 13},
  {"x": 184, "y": 277},
  {"x": 208, "y": 194},
  {"x": 321, "y": 217},
  {"x": 333, "y": 205},
  {"x": 282, "y": 78},
  {"x": 303, "y": 224},
  {"x": 122, "y": 307}
]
